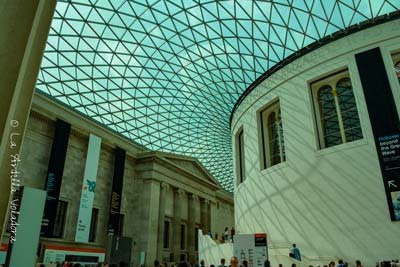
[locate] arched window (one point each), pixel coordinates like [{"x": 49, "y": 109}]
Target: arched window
[
  {"x": 273, "y": 139},
  {"x": 337, "y": 116},
  {"x": 240, "y": 167},
  {"x": 273, "y": 147},
  {"x": 396, "y": 64},
  {"x": 348, "y": 110},
  {"x": 328, "y": 116}
]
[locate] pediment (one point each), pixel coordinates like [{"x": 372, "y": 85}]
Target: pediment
[{"x": 192, "y": 166}]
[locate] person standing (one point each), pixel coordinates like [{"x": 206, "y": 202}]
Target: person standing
[
  {"x": 226, "y": 234},
  {"x": 232, "y": 233},
  {"x": 358, "y": 263},
  {"x": 234, "y": 262},
  {"x": 222, "y": 263},
  {"x": 295, "y": 253},
  {"x": 340, "y": 263}
]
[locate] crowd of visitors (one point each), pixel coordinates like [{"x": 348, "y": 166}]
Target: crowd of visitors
[
  {"x": 340, "y": 263},
  {"x": 234, "y": 262},
  {"x": 294, "y": 252},
  {"x": 71, "y": 264}
]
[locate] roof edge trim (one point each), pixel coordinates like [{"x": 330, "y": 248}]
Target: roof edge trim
[{"x": 311, "y": 47}]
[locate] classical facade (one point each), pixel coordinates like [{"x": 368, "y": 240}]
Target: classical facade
[{"x": 165, "y": 199}]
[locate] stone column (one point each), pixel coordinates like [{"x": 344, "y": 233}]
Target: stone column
[
  {"x": 203, "y": 216},
  {"x": 161, "y": 218},
  {"x": 176, "y": 224},
  {"x": 209, "y": 217},
  {"x": 151, "y": 202},
  {"x": 24, "y": 26},
  {"x": 191, "y": 227}
]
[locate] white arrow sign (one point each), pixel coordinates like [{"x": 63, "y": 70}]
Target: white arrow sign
[{"x": 391, "y": 183}]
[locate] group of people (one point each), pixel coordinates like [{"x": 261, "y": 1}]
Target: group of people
[
  {"x": 225, "y": 236},
  {"x": 71, "y": 264},
  {"x": 340, "y": 263},
  {"x": 294, "y": 253},
  {"x": 234, "y": 262}
]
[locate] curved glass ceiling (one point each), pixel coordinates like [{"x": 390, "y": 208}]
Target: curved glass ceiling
[{"x": 166, "y": 74}]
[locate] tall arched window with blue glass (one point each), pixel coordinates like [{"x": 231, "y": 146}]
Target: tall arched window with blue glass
[
  {"x": 396, "y": 63},
  {"x": 272, "y": 141},
  {"x": 335, "y": 108}
]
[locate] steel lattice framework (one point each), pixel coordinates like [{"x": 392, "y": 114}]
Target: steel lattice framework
[{"x": 166, "y": 74}]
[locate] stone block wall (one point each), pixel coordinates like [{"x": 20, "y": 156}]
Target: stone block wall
[{"x": 143, "y": 174}]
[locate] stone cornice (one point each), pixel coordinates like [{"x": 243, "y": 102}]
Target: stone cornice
[
  {"x": 156, "y": 158},
  {"x": 49, "y": 110},
  {"x": 224, "y": 196}
]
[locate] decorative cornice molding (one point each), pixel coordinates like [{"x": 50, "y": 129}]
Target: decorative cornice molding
[{"x": 41, "y": 117}]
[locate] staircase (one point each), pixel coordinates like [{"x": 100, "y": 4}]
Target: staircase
[
  {"x": 211, "y": 251},
  {"x": 278, "y": 253}
]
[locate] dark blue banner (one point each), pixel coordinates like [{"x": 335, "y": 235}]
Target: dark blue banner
[
  {"x": 54, "y": 176},
  {"x": 384, "y": 121},
  {"x": 116, "y": 194}
]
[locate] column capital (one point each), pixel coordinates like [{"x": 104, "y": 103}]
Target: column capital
[
  {"x": 193, "y": 197},
  {"x": 205, "y": 201},
  {"x": 164, "y": 186},
  {"x": 179, "y": 191}
]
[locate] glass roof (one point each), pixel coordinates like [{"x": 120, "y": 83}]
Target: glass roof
[{"x": 166, "y": 74}]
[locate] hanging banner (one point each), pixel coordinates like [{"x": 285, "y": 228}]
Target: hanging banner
[
  {"x": 385, "y": 123},
  {"x": 88, "y": 189},
  {"x": 251, "y": 248},
  {"x": 54, "y": 175},
  {"x": 116, "y": 194}
]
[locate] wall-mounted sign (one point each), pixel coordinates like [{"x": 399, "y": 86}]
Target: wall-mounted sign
[{"x": 385, "y": 123}]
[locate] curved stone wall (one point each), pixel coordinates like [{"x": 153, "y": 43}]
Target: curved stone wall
[{"x": 329, "y": 201}]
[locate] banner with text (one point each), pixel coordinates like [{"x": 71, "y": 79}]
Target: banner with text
[
  {"x": 74, "y": 254},
  {"x": 88, "y": 189},
  {"x": 54, "y": 175},
  {"x": 251, "y": 248},
  {"x": 116, "y": 194},
  {"x": 385, "y": 123}
]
